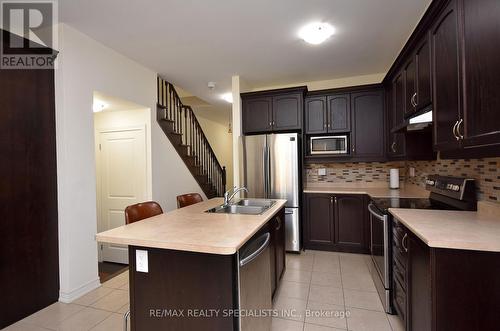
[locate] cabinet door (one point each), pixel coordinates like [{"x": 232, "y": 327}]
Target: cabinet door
[
  {"x": 397, "y": 145},
  {"x": 257, "y": 114},
  {"x": 287, "y": 112},
  {"x": 279, "y": 230},
  {"x": 419, "y": 285},
  {"x": 410, "y": 74},
  {"x": 368, "y": 132},
  {"x": 446, "y": 82},
  {"x": 424, "y": 82},
  {"x": 350, "y": 221},
  {"x": 319, "y": 221},
  {"x": 339, "y": 113},
  {"x": 482, "y": 73},
  {"x": 316, "y": 118},
  {"x": 398, "y": 90}
]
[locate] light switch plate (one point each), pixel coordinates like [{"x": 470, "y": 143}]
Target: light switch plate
[
  {"x": 141, "y": 261},
  {"x": 321, "y": 172},
  {"x": 412, "y": 172}
]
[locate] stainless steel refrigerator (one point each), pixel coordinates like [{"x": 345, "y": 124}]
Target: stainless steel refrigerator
[{"x": 270, "y": 169}]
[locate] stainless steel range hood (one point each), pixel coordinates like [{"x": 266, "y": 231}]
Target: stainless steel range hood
[{"x": 420, "y": 121}]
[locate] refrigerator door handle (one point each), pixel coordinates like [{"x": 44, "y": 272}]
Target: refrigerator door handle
[
  {"x": 268, "y": 171},
  {"x": 264, "y": 169}
]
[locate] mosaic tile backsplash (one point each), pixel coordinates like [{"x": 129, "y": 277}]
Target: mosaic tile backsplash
[{"x": 486, "y": 172}]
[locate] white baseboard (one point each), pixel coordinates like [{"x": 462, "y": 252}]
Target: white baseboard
[{"x": 68, "y": 297}]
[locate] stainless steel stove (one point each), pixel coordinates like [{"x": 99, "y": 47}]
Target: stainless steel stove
[{"x": 446, "y": 193}]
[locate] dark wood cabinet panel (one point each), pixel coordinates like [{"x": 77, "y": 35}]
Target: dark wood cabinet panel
[
  {"x": 336, "y": 222},
  {"x": 481, "y": 29},
  {"x": 29, "y": 269},
  {"x": 423, "y": 76},
  {"x": 339, "y": 113},
  {"x": 350, "y": 222},
  {"x": 316, "y": 115},
  {"x": 319, "y": 227},
  {"x": 280, "y": 235},
  {"x": 446, "y": 78},
  {"x": 410, "y": 73},
  {"x": 398, "y": 90},
  {"x": 368, "y": 131},
  {"x": 287, "y": 112},
  {"x": 257, "y": 114}
]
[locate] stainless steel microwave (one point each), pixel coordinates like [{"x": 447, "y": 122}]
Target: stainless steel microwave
[{"x": 328, "y": 145}]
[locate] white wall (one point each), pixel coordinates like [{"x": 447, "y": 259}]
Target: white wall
[
  {"x": 84, "y": 66},
  {"x": 221, "y": 141}
]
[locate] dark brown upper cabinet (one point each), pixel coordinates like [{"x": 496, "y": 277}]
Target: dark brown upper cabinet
[
  {"x": 446, "y": 78},
  {"x": 328, "y": 114},
  {"x": 481, "y": 33},
  {"x": 339, "y": 113},
  {"x": 257, "y": 114},
  {"x": 273, "y": 111},
  {"x": 398, "y": 106},
  {"x": 423, "y": 99},
  {"x": 316, "y": 115},
  {"x": 368, "y": 135},
  {"x": 410, "y": 73}
]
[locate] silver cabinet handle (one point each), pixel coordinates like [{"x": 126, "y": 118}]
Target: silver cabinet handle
[
  {"x": 331, "y": 200},
  {"x": 353, "y": 149},
  {"x": 403, "y": 242},
  {"x": 393, "y": 147},
  {"x": 414, "y": 100},
  {"x": 455, "y": 131},
  {"x": 460, "y": 135}
]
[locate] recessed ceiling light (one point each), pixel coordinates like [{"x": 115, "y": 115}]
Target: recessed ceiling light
[
  {"x": 316, "y": 33},
  {"x": 227, "y": 97},
  {"x": 99, "y": 105}
]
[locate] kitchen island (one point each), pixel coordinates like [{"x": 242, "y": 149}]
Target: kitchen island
[{"x": 193, "y": 270}]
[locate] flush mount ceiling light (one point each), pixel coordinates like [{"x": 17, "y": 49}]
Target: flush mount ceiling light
[
  {"x": 99, "y": 105},
  {"x": 316, "y": 33},
  {"x": 227, "y": 97}
]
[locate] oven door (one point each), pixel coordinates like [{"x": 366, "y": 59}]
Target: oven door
[{"x": 380, "y": 244}]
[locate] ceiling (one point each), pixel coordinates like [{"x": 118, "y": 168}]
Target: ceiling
[{"x": 192, "y": 42}]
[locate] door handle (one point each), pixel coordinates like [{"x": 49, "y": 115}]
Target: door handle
[
  {"x": 414, "y": 100},
  {"x": 403, "y": 241},
  {"x": 460, "y": 135},
  {"x": 278, "y": 220},
  {"x": 455, "y": 131},
  {"x": 393, "y": 147}
]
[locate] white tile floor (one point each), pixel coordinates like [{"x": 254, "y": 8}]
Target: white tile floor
[{"x": 315, "y": 282}]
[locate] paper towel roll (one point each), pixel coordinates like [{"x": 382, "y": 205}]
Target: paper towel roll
[{"x": 394, "y": 178}]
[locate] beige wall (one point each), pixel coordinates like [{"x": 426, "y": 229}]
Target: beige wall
[{"x": 221, "y": 141}]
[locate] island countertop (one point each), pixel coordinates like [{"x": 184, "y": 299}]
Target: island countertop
[
  {"x": 192, "y": 229},
  {"x": 467, "y": 230}
]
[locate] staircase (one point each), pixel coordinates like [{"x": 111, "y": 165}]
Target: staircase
[{"x": 179, "y": 123}]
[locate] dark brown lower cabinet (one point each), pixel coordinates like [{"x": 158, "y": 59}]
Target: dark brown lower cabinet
[
  {"x": 336, "y": 222},
  {"x": 440, "y": 289},
  {"x": 276, "y": 228}
]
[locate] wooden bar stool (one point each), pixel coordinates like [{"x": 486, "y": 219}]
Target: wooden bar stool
[
  {"x": 135, "y": 213},
  {"x": 188, "y": 199},
  {"x": 142, "y": 210}
]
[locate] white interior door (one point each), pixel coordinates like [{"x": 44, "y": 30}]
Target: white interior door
[{"x": 122, "y": 172}]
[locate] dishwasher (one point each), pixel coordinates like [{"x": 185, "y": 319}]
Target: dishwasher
[{"x": 255, "y": 284}]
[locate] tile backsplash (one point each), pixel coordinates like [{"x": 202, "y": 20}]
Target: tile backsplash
[
  {"x": 371, "y": 172},
  {"x": 486, "y": 172}
]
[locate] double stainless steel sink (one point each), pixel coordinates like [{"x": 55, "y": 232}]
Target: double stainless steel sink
[{"x": 244, "y": 206}]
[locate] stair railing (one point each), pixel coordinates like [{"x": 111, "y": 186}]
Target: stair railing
[{"x": 193, "y": 139}]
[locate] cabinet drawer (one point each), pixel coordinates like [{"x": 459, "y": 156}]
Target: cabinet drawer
[{"x": 399, "y": 297}]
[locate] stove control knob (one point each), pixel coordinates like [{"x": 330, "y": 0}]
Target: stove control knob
[
  {"x": 456, "y": 188},
  {"x": 430, "y": 182},
  {"x": 449, "y": 186}
]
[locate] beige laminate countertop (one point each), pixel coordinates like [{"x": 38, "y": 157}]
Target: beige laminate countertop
[
  {"x": 191, "y": 229},
  {"x": 466, "y": 230},
  {"x": 407, "y": 191}
]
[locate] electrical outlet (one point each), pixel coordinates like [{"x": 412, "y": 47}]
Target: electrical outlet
[
  {"x": 141, "y": 261},
  {"x": 412, "y": 172},
  {"x": 321, "y": 172}
]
